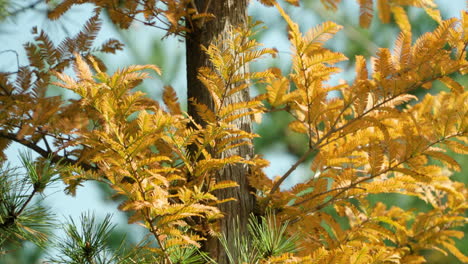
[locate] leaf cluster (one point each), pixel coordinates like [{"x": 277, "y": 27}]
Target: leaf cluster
[{"x": 182, "y": 16}]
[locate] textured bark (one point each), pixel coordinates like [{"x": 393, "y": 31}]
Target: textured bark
[{"x": 228, "y": 13}]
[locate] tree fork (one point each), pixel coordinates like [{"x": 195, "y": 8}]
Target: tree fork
[{"x": 228, "y": 14}]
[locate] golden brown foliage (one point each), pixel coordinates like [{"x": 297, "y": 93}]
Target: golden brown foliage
[{"x": 366, "y": 137}]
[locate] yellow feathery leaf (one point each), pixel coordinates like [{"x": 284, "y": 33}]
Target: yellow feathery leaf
[
  {"x": 434, "y": 13},
  {"x": 383, "y": 65},
  {"x": 136, "y": 68},
  {"x": 192, "y": 240},
  {"x": 453, "y": 85},
  {"x": 414, "y": 174},
  {"x": 376, "y": 158},
  {"x": 174, "y": 218},
  {"x": 174, "y": 242},
  {"x": 277, "y": 92},
  {"x": 400, "y": 99},
  {"x": 453, "y": 233},
  {"x": 67, "y": 82},
  {"x": 215, "y": 164},
  {"x": 240, "y": 84},
  {"x": 171, "y": 101},
  {"x": 134, "y": 205},
  {"x": 293, "y": 27},
  {"x": 203, "y": 111},
  {"x": 401, "y": 18},
  {"x": 390, "y": 221},
  {"x": 82, "y": 70},
  {"x": 226, "y": 200},
  {"x": 237, "y": 110},
  {"x": 318, "y": 35},
  {"x": 384, "y": 10},
  {"x": 366, "y": 12},
  {"x": 233, "y": 142},
  {"x": 402, "y": 50},
  {"x": 457, "y": 147},
  {"x": 239, "y": 114},
  {"x": 326, "y": 57},
  {"x": 223, "y": 185},
  {"x": 298, "y": 127},
  {"x": 446, "y": 159}
]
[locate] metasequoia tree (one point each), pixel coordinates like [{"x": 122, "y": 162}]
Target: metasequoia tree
[{"x": 188, "y": 176}]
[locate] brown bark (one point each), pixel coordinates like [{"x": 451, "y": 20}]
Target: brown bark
[{"x": 227, "y": 13}]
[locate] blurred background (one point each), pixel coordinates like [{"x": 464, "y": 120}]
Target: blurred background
[{"x": 146, "y": 45}]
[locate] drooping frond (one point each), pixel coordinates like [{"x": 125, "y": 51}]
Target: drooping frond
[
  {"x": 170, "y": 99},
  {"x": 401, "y": 18},
  {"x": 85, "y": 38}
]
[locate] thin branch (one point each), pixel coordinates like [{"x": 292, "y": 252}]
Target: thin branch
[
  {"x": 291, "y": 170},
  {"x": 26, "y": 8},
  {"x": 146, "y": 211},
  {"x": 323, "y": 193},
  {"x": 55, "y": 158}
]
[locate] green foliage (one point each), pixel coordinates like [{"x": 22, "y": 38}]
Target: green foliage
[
  {"x": 265, "y": 239},
  {"x": 88, "y": 244},
  {"x": 22, "y": 218}
]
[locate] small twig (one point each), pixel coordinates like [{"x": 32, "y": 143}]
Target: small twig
[
  {"x": 44, "y": 153},
  {"x": 26, "y": 203},
  {"x": 291, "y": 170},
  {"x": 325, "y": 192}
]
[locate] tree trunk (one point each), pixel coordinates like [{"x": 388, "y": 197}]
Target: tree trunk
[{"x": 228, "y": 13}]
